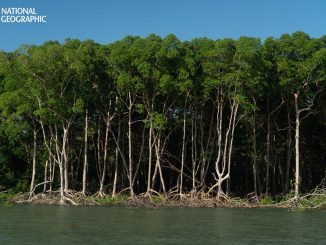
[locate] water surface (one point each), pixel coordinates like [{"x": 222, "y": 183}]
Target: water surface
[{"x": 119, "y": 225}]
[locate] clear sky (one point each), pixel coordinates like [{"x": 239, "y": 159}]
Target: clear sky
[{"x": 108, "y": 20}]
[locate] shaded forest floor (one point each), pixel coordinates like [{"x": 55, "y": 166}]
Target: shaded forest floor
[{"x": 313, "y": 200}]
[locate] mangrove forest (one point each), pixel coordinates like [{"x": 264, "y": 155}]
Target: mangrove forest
[{"x": 158, "y": 116}]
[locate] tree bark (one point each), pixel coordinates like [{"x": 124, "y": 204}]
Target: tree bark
[
  {"x": 297, "y": 144},
  {"x": 33, "y": 161},
  {"x": 116, "y": 163},
  {"x": 130, "y": 146},
  {"x": 45, "y": 175},
  {"x": 85, "y": 154},
  {"x": 149, "y": 174},
  {"x": 158, "y": 161},
  {"x": 193, "y": 154},
  {"x": 183, "y": 150},
  {"x": 65, "y": 158}
]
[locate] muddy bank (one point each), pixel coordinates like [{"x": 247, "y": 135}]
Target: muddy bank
[{"x": 315, "y": 200}]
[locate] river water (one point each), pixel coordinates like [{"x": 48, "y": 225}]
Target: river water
[{"x": 119, "y": 225}]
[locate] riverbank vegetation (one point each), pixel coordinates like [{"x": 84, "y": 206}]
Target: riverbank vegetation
[{"x": 162, "y": 120}]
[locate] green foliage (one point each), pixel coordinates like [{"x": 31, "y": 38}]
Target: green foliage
[
  {"x": 140, "y": 108},
  {"x": 158, "y": 199},
  {"x": 108, "y": 200},
  {"x": 6, "y": 198},
  {"x": 160, "y": 81},
  {"x": 159, "y": 121},
  {"x": 266, "y": 200},
  {"x": 78, "y": 107}
]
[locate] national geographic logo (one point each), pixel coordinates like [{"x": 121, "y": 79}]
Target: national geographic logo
[{"x": 21, "y": 15}]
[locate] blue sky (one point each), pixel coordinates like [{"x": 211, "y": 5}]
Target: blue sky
[{"x": 108, "y": 20}]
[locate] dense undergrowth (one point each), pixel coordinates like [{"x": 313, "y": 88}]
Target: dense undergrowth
[{"x": 313, "y": 200}]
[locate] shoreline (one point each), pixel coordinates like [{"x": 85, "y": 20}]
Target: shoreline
[{"x": 308, "y": 201}]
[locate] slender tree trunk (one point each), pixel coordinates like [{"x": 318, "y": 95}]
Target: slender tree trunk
[
  {"x": 65, "y": 158},
  {"x": 101, "y": 192},
  {"x": 297, "y": 150},
  {"x": 45, "y": 175},
  {"x": 61, "y": 182},
  {"x": 193, "y": 157},
  {"x": 50, "y": 174},
  {"x": 203, "y": 155},
  {"x": 219, "y": 119},
  {"x": 183, "y": 149},
  {"x": 51, "y": 163},
  {"x": 224, "y": 140},
  {"x": 154, "y": 176},
  {"x": 99, "y": 150},
  {"x": 158, "y": 161},
  {"x": 149, "y": 174},
  {"x": 130, "y": 146},
  {"x": 235, "y": 112},
  {"x": 59, "y": 156},
  {"x": 114, "y": 189},
  {"x": 116, "y": 163},
  {"x": 85, "y": 154},
  {"x": 59, "y": 161},
  {"x": 33, "y": 161}
]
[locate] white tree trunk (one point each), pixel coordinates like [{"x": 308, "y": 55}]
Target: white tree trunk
[
  {"x": 33, "y": 162},
  {"x": 297, "y": 144},
  {"x": 116, "y": 163},
  {"x": 130, "y": 146},
  {"x": 224, "y": 140},
  {"x": 158, "y": 161},
  {"x": 85, "y": 154},
  {"x": 65, "y": 158},
  {"x": 149, "y": 174},
  {"x": 101, "y": 191},
  {"x": 183, "y": 150},
  {"x": 45, "y": 175}
]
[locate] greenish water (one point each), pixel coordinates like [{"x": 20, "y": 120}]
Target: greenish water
[{"x": 119, "y": 225}]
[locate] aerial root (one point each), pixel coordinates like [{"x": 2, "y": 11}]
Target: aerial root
[{"x": 314, "y": 200}]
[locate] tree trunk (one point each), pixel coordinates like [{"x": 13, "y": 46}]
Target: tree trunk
[
  {"x": 59, "y": 155},
  {"x": 235, "y": 112},
  {"x": 51, "y": 164},
  {"x": 158, "y": 161},
  {"x": 65, "y": 157},
  {"x": 59, "y": 161},
  {"x": 183, "y": 149},
  {"x": 108, "y": 120},
  {"x": 297, "y": 143},
  {"x": 65, "y": 160},
  {"x": 225, "y": 137},
  {"x": 45, "y": 175},
  {"x": 193, "y": 154},
  {"x": 85, "y": 154},
  {"x": 130, "y": 146},
  {"x": 50, "y": 174},
  {"x": 149, "y": 174},
  {"x": 116, "y": 163},
  {"x": 33, "y": 161}
]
